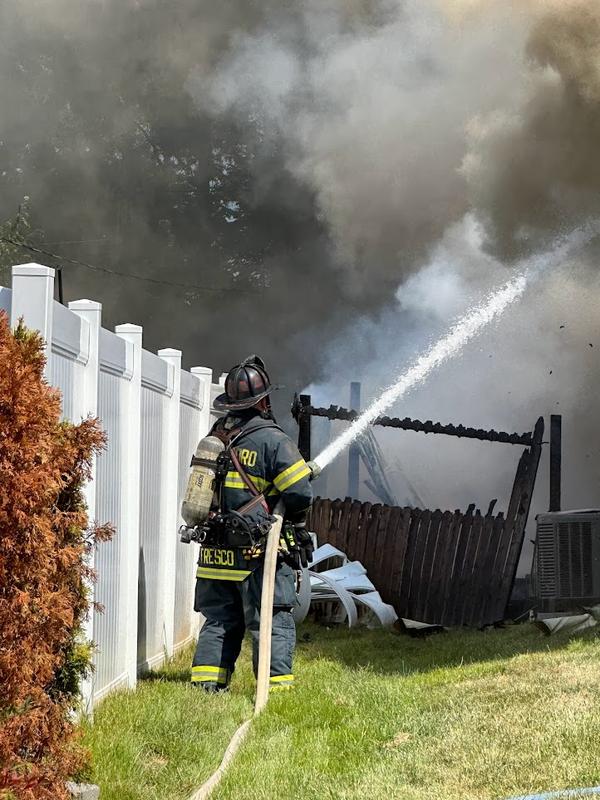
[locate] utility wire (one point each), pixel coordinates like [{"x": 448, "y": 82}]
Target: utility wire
[
  {"x": 82, "y": 241},
  {"x": 132, "y": 275}
]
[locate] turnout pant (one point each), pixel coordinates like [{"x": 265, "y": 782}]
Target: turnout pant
[{"x": 231, "y": 607}]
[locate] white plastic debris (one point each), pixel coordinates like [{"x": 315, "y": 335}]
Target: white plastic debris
[
  {"x": 594, "y": 611},
  {"x": 381, "y": 613},
  {"x": 325, "y": 552},
  {"x": 415, "y": 628},
  {"x": 352, "y": 576},
  {"x": 325, "y": 588},
  {"x": 573, "y": 624},
  {"x": 352, "y": 595}
]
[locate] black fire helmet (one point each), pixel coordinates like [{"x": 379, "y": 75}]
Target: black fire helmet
[{"x": 245, "y": 385}]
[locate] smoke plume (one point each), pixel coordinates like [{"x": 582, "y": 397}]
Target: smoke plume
[
  {"x": 531, "y": 166},
  {"x": 332, "y": 181}
]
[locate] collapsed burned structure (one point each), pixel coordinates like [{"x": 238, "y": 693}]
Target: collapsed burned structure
[{"x": 440, "y": 567}]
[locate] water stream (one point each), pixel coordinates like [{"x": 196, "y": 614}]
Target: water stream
[{"x": 461, "y": 332}]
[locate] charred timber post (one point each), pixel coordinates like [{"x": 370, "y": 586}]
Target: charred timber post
[
  {"x": 407, "y": 424},
  {"x": 555, "y": 461},
  {"x": 354, "y": 451},
  {"x": 301, "y": 411},
  {"x": 518, "y": 507}
]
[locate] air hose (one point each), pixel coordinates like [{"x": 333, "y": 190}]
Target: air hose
[
  {"x": 565, "y": 794},
  {"x": 264, "y": 655}
]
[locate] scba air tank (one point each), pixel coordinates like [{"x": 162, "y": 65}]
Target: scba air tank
[{"x": 201, "y": 483}]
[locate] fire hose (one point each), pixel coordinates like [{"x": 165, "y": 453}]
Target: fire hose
[{"x": 264, "y": 655}]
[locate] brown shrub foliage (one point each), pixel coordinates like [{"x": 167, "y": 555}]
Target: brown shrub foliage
[{"x": 43, "y": 574}]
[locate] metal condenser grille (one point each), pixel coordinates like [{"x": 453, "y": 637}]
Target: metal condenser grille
[
  {"x": 546, "y": 560},
  {"x": 575, "y": 559}
]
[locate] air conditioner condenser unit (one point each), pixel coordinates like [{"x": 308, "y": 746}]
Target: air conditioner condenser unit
[{"x": 566, "y": 566}]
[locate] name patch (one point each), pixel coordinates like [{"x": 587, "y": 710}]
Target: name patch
[{"x": 216, "y": 557}]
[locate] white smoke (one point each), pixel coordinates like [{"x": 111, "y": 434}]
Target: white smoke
[
  {"x": 536, "y": 361},
  {"x": 452, "y": 344},
  {"x": 371, "y": 109},
  {"x": 446, "y": 348},
  {"x": 443, "y": 140}
]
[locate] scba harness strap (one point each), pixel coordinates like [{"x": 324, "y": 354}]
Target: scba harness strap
[
  {"x": 236, "y": 542},
  {"x": 229, "y": 456},
  {"x": 244, "y": 476}
]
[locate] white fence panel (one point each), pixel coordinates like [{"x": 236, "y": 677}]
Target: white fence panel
[
  {"x": 69, "y": 354},
  {"x": 109, "y": 631},
  {"x": 110, "y": 628},
  {"x": 151, "y": 643},
  {"x": 190, "y": 432},
  {"x": 62, "y": 375},
  {"x": 153, "y": 414},
  {"x": 5, "y": 296}
]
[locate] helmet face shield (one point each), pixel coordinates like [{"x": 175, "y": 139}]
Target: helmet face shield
[{"x": 246, "y": 384}]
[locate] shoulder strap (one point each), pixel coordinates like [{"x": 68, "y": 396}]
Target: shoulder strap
[
  {"x": 244, "y": 476},
  {"x": 251, "y": 427}
]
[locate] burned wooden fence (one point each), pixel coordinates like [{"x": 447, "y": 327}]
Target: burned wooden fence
[{"x": 449, "y": 568}]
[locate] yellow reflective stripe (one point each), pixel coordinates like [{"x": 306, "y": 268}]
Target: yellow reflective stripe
[
  {"x": 206, "y": 668},
  {"x": 300, "y": 471},
  {"x": 230, "y": 484},
  {"x": 241, "y": 573},
  {"x": 260, "y": 483},
  {"x": 206, "y": 673},
  {"x": 294, "y": 479},
  {"x": 281, "y": 679},
  {"x": 233, "y": 480},
  {"x": 223, "y": 574},
  {"x": 288, "y": 471}
]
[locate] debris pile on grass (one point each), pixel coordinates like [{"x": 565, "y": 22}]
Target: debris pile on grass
[
  {"x": 44, "y": 464},
  {"x": 345, "y": 593}
]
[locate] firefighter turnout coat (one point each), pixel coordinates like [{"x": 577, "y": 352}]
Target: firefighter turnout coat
[{"x": 228, "y": 586}]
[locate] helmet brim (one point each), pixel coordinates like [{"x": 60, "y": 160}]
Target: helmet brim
[{"x": 223, "y": 403}]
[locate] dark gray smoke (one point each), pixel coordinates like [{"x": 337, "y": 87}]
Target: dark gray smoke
[
  {"x": 444, "y": 142},
  {"x": 301, "y": 157},
  {"x": 532, "y": 166},
  {"x": 371, "y": 118},
  {"x": 298, "y": 162},
  {"x": 123, "y": 170}
]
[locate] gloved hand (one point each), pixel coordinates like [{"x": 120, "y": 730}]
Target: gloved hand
[
  {"x": 305, "y": 544},
  {"x": 299, "y": 545}
]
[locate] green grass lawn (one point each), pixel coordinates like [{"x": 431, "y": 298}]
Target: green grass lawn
[{"x": 373, "y": 715}]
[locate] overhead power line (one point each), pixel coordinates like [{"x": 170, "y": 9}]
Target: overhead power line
[{"x": 130, "y": 275}]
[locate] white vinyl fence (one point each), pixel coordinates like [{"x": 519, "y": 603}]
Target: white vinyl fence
[{"x": 153, "y": 413}]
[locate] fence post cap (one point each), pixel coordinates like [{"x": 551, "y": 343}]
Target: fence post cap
[
  {"x": 169, "y": 352},
  {"x": 128, "y": 327},
  {"x": 85, "y": 305},
  {"x": 33, "y": 270},
  {"x": 201, "y": 371}
]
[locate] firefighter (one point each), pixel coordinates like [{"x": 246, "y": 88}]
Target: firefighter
[{"x": 263, "y": 466}]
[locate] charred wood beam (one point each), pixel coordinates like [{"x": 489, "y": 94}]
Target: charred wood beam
[
  {"x": 407, "y": 424},
  {"x": 555, "y": 460},
  {"x": 354, "y": 450},
  {"x": 304, "y": 426}
]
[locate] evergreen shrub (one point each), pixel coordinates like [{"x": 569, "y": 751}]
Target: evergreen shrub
[{"x": 44, "y": 573}]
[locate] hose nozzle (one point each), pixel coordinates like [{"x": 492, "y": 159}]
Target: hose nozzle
[{"x": 315, "y": 470}]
